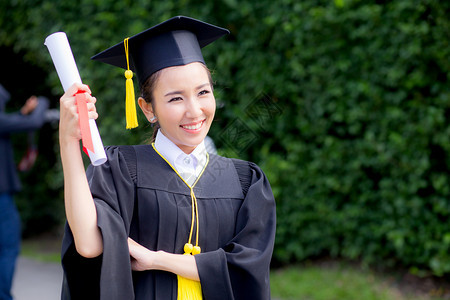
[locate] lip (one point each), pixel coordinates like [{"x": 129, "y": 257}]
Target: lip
[{"x": 195, "y": 126}]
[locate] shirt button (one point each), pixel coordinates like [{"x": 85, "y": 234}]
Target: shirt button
[{"x": 187, "y": 160}]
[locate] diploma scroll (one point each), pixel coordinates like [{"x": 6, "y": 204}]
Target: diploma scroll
[{"x": 61, "y": 53}]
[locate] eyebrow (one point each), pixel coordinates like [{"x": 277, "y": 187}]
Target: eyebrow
[{"x": 181, "y": 92}]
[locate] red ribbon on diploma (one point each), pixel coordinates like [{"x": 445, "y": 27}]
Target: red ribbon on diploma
[{"x": 86, "y": 138}]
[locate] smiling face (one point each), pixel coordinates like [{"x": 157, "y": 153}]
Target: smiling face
[{"x": 183, "y": 103}]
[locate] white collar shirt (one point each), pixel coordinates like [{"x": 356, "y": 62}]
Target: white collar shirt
[{"x": 189, "y": 166}]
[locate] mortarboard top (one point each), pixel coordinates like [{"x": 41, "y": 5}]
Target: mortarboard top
[{"x": 174, "y": 42}]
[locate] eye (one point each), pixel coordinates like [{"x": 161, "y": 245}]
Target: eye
[
  {"x": 175, "y": 99},
  {"x": 204, "y": 92}
]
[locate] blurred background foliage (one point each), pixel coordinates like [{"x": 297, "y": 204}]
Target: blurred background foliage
[{"x": 345, "y": 105}]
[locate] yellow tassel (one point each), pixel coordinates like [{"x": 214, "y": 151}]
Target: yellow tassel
[
  {"x": 130, "y": 105},
  {"x": 189, "y": 289}
]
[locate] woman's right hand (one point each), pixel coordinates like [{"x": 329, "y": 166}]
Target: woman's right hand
[{"x": 69, "y": 128}]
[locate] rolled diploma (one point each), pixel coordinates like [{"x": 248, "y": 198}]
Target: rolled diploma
[{"x": 61, "y": 53}]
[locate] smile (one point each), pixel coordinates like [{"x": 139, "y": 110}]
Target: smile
[{"x": 193, "y": 126}]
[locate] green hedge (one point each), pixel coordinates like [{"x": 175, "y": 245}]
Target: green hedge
[{"x": 344, "y": 104}]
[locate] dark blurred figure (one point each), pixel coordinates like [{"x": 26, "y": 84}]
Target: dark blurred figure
[{"x": 30, "y": 117}]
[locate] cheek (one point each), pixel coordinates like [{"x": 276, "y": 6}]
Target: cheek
[
  {"x": 211, "y": 107},
  {"x": 171, "y": 114},
  {"x": 212, "y": 111}
]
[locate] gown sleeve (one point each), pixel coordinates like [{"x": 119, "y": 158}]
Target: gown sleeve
[
  {"x": 240, "y": 270},
  {"x": 109, "y": 275},
  {"x": 16, "y": 122}
]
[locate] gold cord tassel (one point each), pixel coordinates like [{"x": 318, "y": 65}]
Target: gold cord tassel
[
  {"x": 130, "y": 105},
  {"x": 190, "y": 289}
]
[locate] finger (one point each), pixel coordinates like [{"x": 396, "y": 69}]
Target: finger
[
  {"x": 85, "y": 88},
  {"x": 76, "y": 87},
  {"x": 135, "y": 244},
  {"x": 131, "y": 248},
  {"x": 73, "y": 89},
  {"x": 93, "y": 115},
  {"x": 92, "y": 99},
  {"x": 132, "y": 245},
  {"x": 91, "y": 107}
]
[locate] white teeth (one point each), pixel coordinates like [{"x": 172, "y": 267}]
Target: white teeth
[{"x": 193, "y": 127}]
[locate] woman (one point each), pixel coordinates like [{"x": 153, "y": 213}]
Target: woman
[{"x": 131, "y": 219}]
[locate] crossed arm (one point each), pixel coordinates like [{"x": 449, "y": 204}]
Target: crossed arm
[{"x": 80, "y": 208}]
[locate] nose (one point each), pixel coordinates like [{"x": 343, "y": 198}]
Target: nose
[{"x": 193, "y": 108}]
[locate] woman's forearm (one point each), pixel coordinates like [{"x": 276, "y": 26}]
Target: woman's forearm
[
  {"x": 183, "y": 265},
  {"x": 80, "y": 209},
  {"x": 145, "y": 259}
]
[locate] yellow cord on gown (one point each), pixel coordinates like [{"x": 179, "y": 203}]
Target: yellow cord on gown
[{"x": 189, "y": 289}]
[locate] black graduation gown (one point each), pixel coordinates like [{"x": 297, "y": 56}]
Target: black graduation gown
[{"x": 138, "y": 194}]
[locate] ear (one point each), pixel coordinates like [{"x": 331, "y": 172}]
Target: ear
[{"x": 147, "y": 109}]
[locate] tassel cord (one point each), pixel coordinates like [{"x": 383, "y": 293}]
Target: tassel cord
[
  {"x": 189, "y": 289},
  {"x": 130, "y": 105}
]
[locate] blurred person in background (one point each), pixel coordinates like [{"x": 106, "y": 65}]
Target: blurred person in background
[{"x": 29, "y": 118}]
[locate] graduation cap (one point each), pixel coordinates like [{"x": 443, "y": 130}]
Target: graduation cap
[{"x": 175, "y": 42}]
